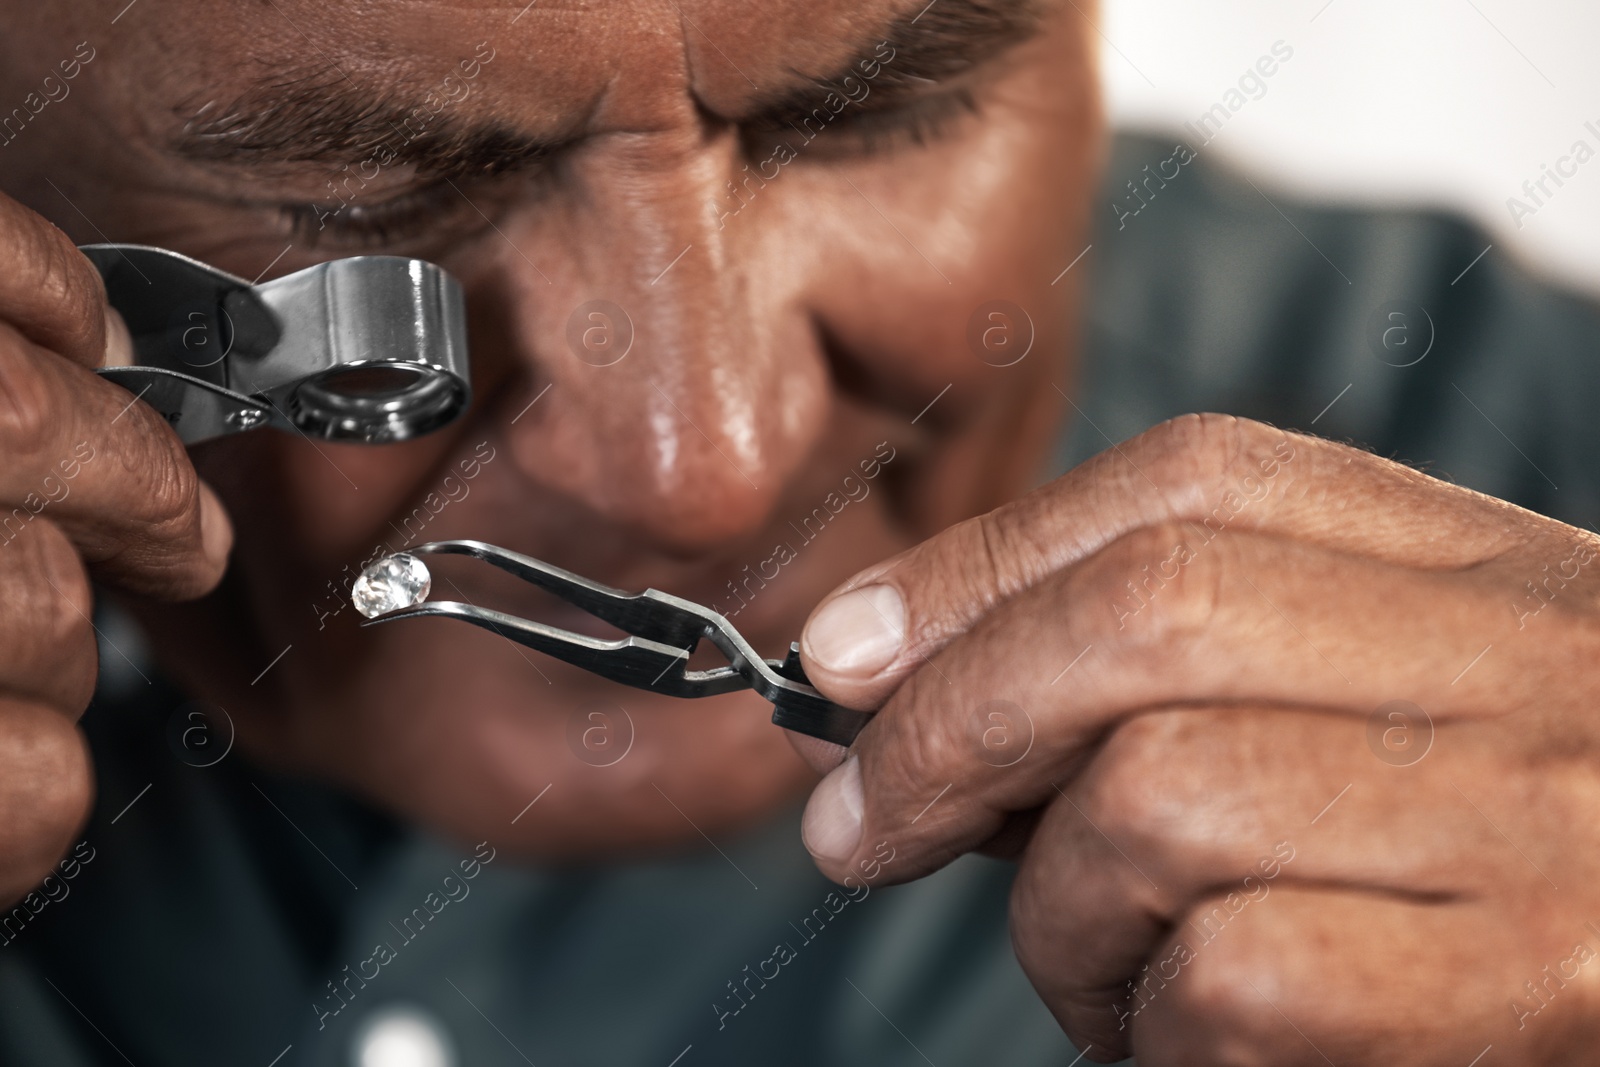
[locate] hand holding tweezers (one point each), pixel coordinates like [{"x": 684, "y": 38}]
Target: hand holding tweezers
[{"x": 663, "y": 632}]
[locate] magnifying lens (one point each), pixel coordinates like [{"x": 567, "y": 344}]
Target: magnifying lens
[{"x": 370, "y": 349}]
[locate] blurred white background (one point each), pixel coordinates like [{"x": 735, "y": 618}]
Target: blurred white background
[{"x": 1453, "y": 103}]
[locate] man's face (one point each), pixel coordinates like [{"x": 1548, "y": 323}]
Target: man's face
[{"x": 729, "y": 269}]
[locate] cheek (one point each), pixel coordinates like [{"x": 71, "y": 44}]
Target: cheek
[
  {"x": 981, "y": 221},
  {"x": 947, "y": 282},
  {"x": 950, "y": 265}
]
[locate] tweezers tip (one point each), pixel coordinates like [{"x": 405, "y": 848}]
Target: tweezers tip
[{"x": 443, "y": 607}]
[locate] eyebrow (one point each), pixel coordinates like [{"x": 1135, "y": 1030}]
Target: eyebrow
[{"x": 317, "y": 115}]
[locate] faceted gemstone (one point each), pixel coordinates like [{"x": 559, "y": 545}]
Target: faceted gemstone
[{"x": 392, "y": 583}]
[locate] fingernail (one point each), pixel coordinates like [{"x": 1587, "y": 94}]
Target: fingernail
[
  {"x": 119, "y": 342},
  {"x": 831, "y": 827},
  {"x": 859, "y": 633},
  {"x": 216, "y": 531}
]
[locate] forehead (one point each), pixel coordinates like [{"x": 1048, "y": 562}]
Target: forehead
[{"x": 618, "y": 64}]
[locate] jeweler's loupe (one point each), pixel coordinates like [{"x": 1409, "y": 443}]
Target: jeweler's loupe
[{"x": 370, "y": 349}]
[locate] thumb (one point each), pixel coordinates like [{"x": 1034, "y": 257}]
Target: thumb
[
  {"x": 871, "y": 633},
  {"x": 867, "y": 636}
]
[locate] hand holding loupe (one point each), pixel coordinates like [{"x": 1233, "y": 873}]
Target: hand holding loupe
[{"x": 370, "y": 349}]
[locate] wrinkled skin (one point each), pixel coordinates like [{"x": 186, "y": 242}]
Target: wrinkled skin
[{"x": 1201, "y": 738}]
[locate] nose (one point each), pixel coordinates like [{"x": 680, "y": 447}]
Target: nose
[{"x": 683, "y": 381}]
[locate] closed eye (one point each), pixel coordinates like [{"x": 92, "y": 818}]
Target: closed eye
[
  {"x": 382, "y": 223},
  {"x": 858, "y": 131}
]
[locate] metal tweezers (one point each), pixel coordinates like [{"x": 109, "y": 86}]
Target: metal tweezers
[{"x": 664, "y": 631}]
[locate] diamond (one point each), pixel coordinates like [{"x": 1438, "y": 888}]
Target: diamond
[{"x": 392, "y": 583}]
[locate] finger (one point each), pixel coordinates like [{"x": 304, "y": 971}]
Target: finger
[
  {"x": 111, "y": 473},
  {"x": 47, "y": 651},
  {"x": 1231, "y": 805},
  {"x": 1242, "y": 621},
  {"x": 1209, "y": 473},
  {"x": 45, "y": 788},
  {"x": 52, "y": 294},
  {"x": 1309, "y": 977}
]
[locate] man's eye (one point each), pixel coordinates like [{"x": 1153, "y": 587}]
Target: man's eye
[
  {"x": 919, "y": 123},
  {"x": 426, "y": 212},
  {"x": 860, "y": 132}
]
